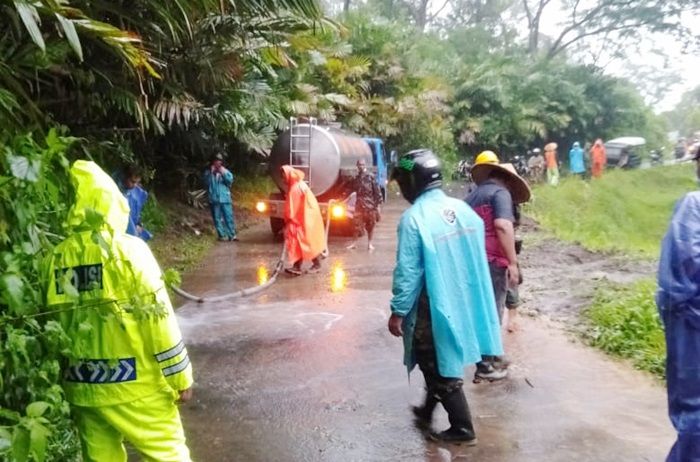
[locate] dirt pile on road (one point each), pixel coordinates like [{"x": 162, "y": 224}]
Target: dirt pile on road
[{"x": 560, "y": 278}]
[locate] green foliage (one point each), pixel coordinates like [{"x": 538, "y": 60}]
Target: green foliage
[
  {"x": 198, "y": 72},
  {"x": 625, "y": 211},
  {"x": 34, "y": 417},
  {"x": 624, "y": 322},
  {"x": 511, "y": 104},
  {"x": 153, "y": 216}
]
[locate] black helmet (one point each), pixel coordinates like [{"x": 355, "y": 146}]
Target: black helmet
[{"x": 416, "y": 172}]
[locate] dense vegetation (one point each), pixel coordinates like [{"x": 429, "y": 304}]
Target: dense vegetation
[{"x": 166, "y": 84}]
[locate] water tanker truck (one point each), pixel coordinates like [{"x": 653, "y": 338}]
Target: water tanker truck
[{"x": 328, "y": 156}]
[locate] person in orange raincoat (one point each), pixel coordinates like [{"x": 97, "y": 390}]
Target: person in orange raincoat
[
  {"x": 304, "y": 233},
  {"x": 550, "y": 156},
  {"x": 598, "y": 158}
]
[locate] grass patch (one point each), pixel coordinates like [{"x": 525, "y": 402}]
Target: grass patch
[
  {"x": 180, "y": 251},
  {"x": 625, "y": 211},
  {"x": 623, "y": 321}
]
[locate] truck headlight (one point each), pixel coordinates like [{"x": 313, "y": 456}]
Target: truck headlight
[
  {"x": 261, "y": 206},
  {"x": 338, "y": 211}
]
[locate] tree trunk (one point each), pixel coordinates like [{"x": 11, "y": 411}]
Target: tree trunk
[
  {"x": 533, "y": 38},
  {"x": 422, "y": 15},
  {"x": 346, "y": 6}
]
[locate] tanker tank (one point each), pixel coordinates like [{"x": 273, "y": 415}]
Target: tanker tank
[{"x": 327, "y": 156}]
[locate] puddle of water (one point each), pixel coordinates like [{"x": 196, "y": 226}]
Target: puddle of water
[
  {"x": 263, "y": 274},
  {"x": 339, "y": 278}
]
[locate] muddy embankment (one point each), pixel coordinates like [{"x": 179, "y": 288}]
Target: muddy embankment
[{"x": 560, "y": 278}]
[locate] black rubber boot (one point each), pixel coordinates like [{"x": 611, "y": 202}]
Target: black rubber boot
[
  {"x": 424, "y": 414},
  {"x": 461, "y": 428},
  {"x": 316, "y": 265},
  {"x": 295, "y": 269}
]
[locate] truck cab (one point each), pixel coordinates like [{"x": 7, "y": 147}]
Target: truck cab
[{"x": 380, "y": 163}]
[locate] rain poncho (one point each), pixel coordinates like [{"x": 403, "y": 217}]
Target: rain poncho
[
  {"x": 136, "y": 197},
  {"x": 441, "y": 247},
  {"x": 127, "y": 365},
  {"x": 576, "y": 159},
  {"x": 678, "y": 299},
  {"x": 125, "y": 355},
  {"x": 598, "y": 159},
  {"x": 304, "y": 233},
  {"x": 219, "y": 186},
  {"x": 550, "y": 156}
]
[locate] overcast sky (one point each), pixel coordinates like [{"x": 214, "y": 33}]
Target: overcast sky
[{"x": 686, "y": 66}]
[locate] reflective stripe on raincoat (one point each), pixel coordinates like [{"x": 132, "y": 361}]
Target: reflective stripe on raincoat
[
  {"x": 304, "y": 233},
  {"x": 678, "y": 299},
  {"x": 441, "y": 245},
  {"x": 119, "y": 355}
]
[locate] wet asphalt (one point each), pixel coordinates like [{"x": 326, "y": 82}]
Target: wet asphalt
[{"x": 307, "y": 371}]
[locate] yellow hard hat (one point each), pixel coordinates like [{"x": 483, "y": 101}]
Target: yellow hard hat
[{"x": 486, "y": 157}]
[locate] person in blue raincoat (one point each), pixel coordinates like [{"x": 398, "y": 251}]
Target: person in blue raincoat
[
  {"x": 443, "y": 303},
  {"x": 129, "y": 183},
  {"x": 678, "y": 300},
  {"x": 576, "y": 164},
  {"x": 218, "y": 180}
]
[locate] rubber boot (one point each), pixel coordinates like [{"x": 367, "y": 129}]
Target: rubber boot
[
  {"x": 424, "y": 414},
  {"x": 461, "y": 428},
  {"x": 316, "y": 266},
  {"x": 295, "y": 269}
]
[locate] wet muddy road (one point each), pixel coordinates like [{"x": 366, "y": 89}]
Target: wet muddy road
[{"x": 307, "y": 371}]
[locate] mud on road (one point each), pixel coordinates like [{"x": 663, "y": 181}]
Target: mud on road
[
  {"x": 560, "y": 278},
  {"x": 307, "y": 371}
]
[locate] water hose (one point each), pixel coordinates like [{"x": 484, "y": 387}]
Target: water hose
[
  {"x": 240, "y": 293},
  {"x": 329, "y": 212},
  {"x": 259, "y": 288}
]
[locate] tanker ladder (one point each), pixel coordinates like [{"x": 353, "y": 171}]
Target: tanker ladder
[{"x": 300, "y": 145}]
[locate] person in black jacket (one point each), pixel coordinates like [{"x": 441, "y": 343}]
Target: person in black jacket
[{"x": 369, "y": 198}]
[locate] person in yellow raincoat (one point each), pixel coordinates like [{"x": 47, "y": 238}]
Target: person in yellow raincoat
[
  {"x": 304, "y": 233},
  {"x": 128, "y": 365}
]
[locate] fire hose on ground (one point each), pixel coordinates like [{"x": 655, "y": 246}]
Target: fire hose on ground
[{"x": 258, "y": 288}]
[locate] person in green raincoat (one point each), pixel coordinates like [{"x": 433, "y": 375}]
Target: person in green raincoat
[
  {"x": 128, "y": 366},
  {"x": 443, "y": 303}
]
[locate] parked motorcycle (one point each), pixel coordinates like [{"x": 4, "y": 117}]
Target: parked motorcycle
[
  {"x": 521, "y": 167},
  {"x": 462, "y": 172}
]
